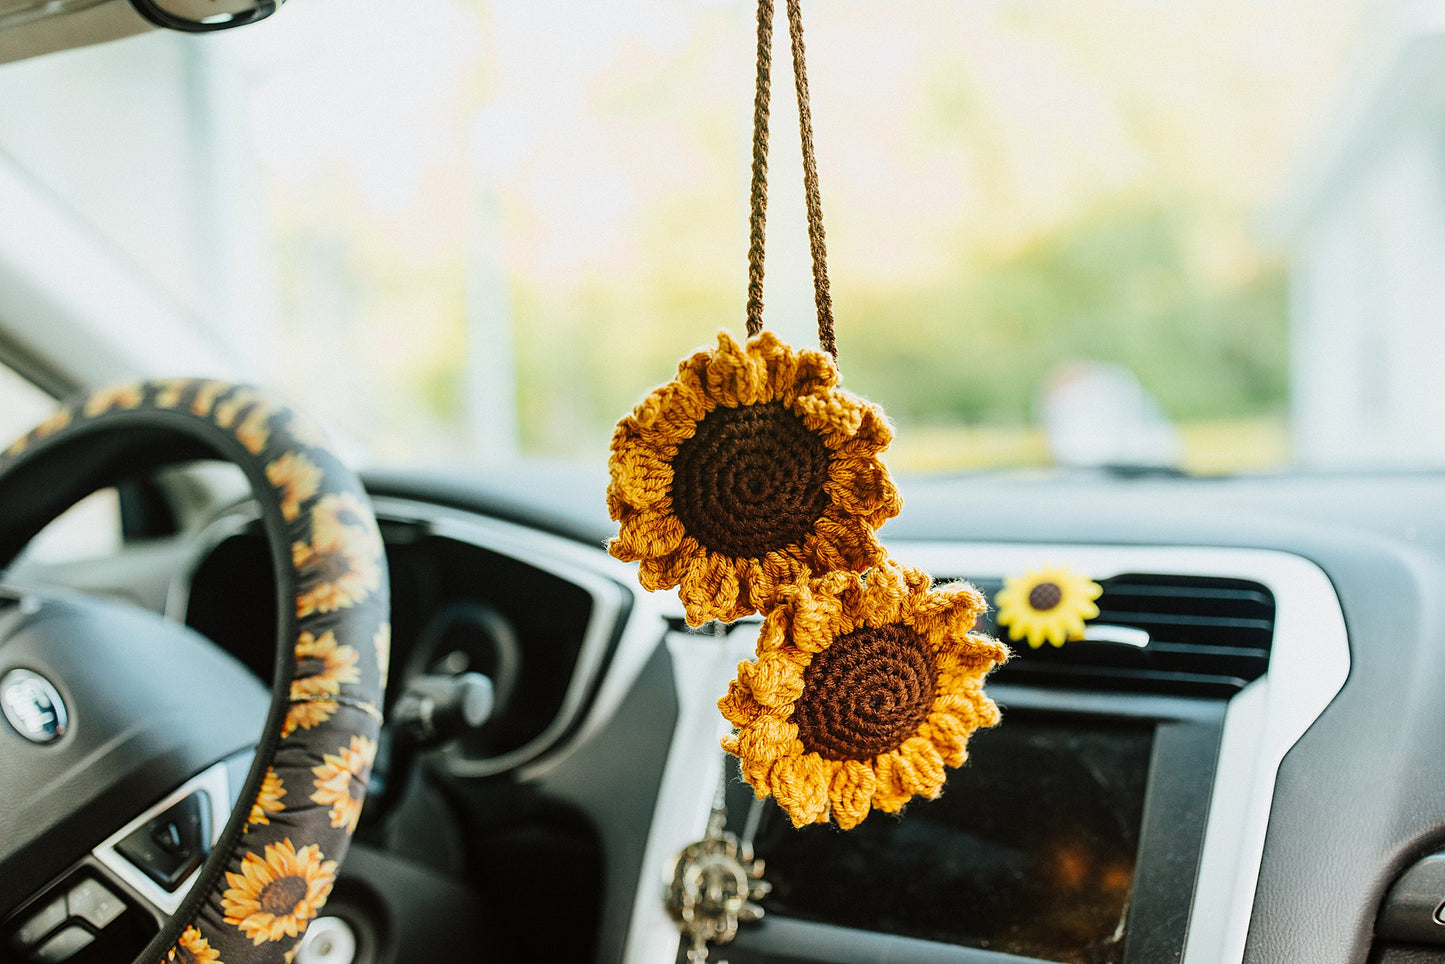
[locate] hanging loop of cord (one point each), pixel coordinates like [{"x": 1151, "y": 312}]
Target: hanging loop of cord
[{"x": 758, "y": 207}]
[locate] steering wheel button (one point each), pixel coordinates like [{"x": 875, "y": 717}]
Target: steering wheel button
[
  {"x": 172, "y": 845},
  {"x": 168, "y": 836},
  {"x": 95, "y": 904},
  {"x": 63, "y": 946},
  {"x": 40, "y": 924}
]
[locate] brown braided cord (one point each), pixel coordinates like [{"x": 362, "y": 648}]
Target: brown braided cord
[
  {"x": 757, "y": 216},
  {"x": 758, "y": 205},
  {"x": 822, "y": 297}
]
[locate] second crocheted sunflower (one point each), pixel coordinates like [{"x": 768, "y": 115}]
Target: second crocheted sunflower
[
  {"x": 749, "y": 468},
  {"x": 864, "y": 689}
]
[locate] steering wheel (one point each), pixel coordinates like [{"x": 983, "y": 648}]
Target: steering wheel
[{"x": 129, "y": 737}]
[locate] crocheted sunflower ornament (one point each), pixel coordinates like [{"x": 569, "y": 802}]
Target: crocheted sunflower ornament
[
  {"x": 864, "y": 689},
  {"x": 752, "y": 466},
  {"x": 749, "y": 468},
  {"x": 754, "y": 483}
]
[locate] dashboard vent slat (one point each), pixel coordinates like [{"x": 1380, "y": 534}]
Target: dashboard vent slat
[{"x": 1207, "y": 636}]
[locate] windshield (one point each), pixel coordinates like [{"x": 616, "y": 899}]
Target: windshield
[{"x": 1061, "y": 232}]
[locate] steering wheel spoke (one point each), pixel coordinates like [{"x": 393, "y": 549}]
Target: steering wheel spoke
[{"x": 133, "y": 881}]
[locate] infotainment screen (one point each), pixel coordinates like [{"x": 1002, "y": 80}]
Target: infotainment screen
[{"x": 1030, "y": 850}]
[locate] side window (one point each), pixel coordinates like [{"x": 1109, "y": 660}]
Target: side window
[{"x": 91, "y": 528}]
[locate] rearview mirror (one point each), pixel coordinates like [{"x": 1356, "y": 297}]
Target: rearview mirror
[{"x": 201, "y": 15}]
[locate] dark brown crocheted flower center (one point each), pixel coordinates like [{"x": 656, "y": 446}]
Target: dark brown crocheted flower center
[
  {"x": 281, "y": 895},
  {"x": 750, "y": 480},
  {"x": 1045, "y": 596},
  {"x": 866, "y": 694}
]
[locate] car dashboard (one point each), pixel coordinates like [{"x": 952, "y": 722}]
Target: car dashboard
[{"x": 1238, "y": 762}]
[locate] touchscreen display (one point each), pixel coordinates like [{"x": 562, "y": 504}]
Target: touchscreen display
[{"x": 1030, "y": 850}]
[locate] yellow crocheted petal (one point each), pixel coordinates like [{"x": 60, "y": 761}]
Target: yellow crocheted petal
[
  {"x": 664, "y": 572},
  {"x": 890, "y": 794},
  {"x": 666, "y": 414},
  {"x": 969, "y": 704},
  {"x": 692, "y": 375},
  {"x": 890, "y": 503},
  {"x": 814, "y": 374},
  {"x": 800, "y": 785},
  {"x": 766, "y": 578},
  {"x": 737, "y": 705},
  {"x": 861, "y": 486},
  {"x": 923, "y": 774},
  {"x": 776, "y": 677},
  {"x": 739, "y": 608},
  {"x": 885, "y": 595},
  {"x": 834, "y": 414},
  {"x": 969, "y": 659},
  {"x": 873, "y": 435},
  {"x": 851, "y": 792},
  {"x": 841, "y": 541},
  {"x": 946, "y": 614},
  {"x": 982, "y": 653},
  {"x": 775, "y": 632},
  {"x": 779, "y": 367},
  {"x": 816, "y": 609},
  {"x": 647, "y": 534},
  {"x": 640, "y": 478},
  {"x": 767, "y": 737},
  {"x": 710, "y": 589},
  {"x": 948, "y": 732},
  {"x": 703, "y": 581},
  {"x": 755, "y": 772},
  {"x": 957, "y": 601},
  {"x": 736, "y": 375}
]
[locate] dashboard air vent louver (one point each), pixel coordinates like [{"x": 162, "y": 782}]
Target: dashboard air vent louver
[{"x": 1205, "y": 636}]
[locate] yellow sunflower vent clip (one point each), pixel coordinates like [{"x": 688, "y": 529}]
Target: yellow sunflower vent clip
[
  {"x": 1050, "y": 605},
  {"x": 753, "y": 482}
]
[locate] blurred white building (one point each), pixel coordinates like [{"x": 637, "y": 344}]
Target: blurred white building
[{"x": 1366, "y": 224}]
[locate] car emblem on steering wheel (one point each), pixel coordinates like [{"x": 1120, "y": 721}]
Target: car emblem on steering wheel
[{"x": 33, "y": 706}]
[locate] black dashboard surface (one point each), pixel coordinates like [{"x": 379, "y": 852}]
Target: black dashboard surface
[{"x": 1360, "y": 796}]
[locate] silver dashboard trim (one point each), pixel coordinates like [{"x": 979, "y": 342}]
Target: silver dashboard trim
[
  {"x": 619, "y": 606},
  {"x": 1309, "y": 664},
  {"x": 552, "y": 555},
  {"x": 216, "y": 783},
  {"x": 610, "y": 584}
]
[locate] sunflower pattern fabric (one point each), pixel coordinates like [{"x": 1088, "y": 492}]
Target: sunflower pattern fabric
[
  {"x": 863, "y": 690},
  {"x": 749, "y": 468},
  {"x": 304, "y": 795},
  {"x": 1050, "y": 605}
]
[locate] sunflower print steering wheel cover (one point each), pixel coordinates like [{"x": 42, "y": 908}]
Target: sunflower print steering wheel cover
[{"x": 275, "y": 862}]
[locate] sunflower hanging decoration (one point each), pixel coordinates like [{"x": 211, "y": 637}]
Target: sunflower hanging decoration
[
  {"x": 1049, "y": 604},
  {"x": 753, "y": 466},
  {"x": 863, "y": 691},
  {"x": 748, "y": 468},
  {"x": 754, "y": 483}
]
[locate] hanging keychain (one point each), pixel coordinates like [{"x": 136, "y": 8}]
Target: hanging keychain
[{"x": 753, "y": 466}]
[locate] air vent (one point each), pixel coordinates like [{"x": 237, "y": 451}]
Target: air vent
[{"x": 1157, "y": 633}]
